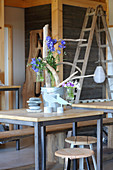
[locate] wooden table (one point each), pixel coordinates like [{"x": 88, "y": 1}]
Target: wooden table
[
  {"x": 106, "y": 107},
  {"x": 41, "y": 120},
  {"x": 12, "y": 88}
]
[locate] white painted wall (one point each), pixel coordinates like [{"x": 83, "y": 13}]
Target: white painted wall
[{"x": 15, "y": 18}]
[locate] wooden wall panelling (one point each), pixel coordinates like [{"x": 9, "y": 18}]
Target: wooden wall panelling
[
  {"x": 2, "y": 48},
  {"x": 57, "y": 27}
]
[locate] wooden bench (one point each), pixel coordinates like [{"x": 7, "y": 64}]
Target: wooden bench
[{"x": 21, "y": 133}]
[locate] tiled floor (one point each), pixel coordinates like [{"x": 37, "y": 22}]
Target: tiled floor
[{"x": 10, "y": 159}]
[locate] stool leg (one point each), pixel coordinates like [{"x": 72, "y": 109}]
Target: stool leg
[
  {"x": 88, "y": 165},
  {"x": 93, "y": 157},
  {"x": 81, "y": 160},
  {"x": 67, "y": 164}
]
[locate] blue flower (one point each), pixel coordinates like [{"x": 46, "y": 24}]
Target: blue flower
[
  {"x": 48, "y": 38},
  {"x": 63, "y": 42},
  {"x": 39, "y": 59},
  {"x": 54, "y": 41},
  {"x": 36, "y": 69},
  {"x": 33, "y": 61},
  {"x": 58, "y": 51},
  {"x": 60, "y": 46}
]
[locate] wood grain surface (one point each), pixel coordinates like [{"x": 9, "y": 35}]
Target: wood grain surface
[
  {"x": 95, "y": 105},
  {"x": 22, "y": 114}
]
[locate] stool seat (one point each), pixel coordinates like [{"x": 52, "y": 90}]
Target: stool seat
[
  {"x": 74, "y": 153},
  {"x": 81, "y": 140}
]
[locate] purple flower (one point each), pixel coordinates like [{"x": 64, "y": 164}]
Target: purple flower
[
  {"x": 64, "y": 46},
  {"x": 71, "y": 84},
  {"x": 68, "y": 84},
  {"x": 63, "y": 84}
]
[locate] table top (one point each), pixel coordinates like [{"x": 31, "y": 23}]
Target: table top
[
  {"x": 23, "y": 115},
  {"x": 95, "y": 105},
  {"x": 9, "y": 87}
]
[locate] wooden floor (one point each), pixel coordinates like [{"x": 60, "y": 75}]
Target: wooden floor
[{"x": 10, "y": 159}]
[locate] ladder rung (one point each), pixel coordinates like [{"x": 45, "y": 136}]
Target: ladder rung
[
  {"x": 83, "y": 45},
  {"x": 101, "y": 30},
  {"x": 111, "y": 91},
  {"x": 107, "y": 61},
  {"x": 104, "y": 46},
  {"x": 80, "y": 61},
  {"x": 91, "y": 13},
  {"x": 86, "y": 29}
]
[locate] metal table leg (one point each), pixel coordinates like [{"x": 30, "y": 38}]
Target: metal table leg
[
  {"x": 17, "y": 99},
  {"x": 43, "y": 146},
  {"x": 37, "y": 139},
  {"x": 17, "y": 126},
  {"x": 99, "y": 143},
  {"x": 74, "y": 134}
]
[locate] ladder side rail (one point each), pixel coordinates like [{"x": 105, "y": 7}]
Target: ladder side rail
[
  {"x": 103, "y": 64},
  {"x": 81, "y": 37},
  {"x": 107, "y": 31},
  {"x": 87, "y": 54}
]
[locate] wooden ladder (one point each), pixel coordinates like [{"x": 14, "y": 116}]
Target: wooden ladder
[{"x": 93, "y": 29}]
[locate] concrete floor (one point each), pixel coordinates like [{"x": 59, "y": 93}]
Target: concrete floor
[{"x": 10, "y": 159}]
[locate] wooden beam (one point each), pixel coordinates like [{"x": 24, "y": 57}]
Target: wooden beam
[
  {"x": 10, "y": 64},
  {"x": 15, "y": 3},
  {"x": 26, "y": 3},
  {"x": 57, "y": 27},
  {"x": 85, "y": 4},
  {"x": 31, "y": 3}
]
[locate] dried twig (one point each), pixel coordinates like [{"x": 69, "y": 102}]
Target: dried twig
[
  {"x": 78, "y": 77},
  {"x": 75, "y": 40},
  {"x": 66, "y": 80},
  {"x": 54, "y": 73},
  {"x": 68, "y": 63}
]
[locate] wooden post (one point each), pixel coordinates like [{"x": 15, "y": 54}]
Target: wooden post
[
  {"x": 57, "y": 27},
  {"x": 2, "y": 47}
]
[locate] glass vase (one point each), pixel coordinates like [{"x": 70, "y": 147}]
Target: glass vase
[
  {"x": 39, "y": 76},
  {"x": 70, "y": 95}
]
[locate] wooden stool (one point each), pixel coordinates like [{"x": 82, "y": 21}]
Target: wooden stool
[
  {"x": 74, "y": 153},
  {"x": 81, "y": 141}
]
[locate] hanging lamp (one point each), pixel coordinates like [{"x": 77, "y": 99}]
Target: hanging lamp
[{"x": 99, "y": 75}]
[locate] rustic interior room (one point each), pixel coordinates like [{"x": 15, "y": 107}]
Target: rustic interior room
[{"x": 56, "y": 84}]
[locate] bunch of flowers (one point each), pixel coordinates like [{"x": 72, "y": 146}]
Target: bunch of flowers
[
  {"x": 39, "y": 64},
  {"x": 70, "y": 85}
]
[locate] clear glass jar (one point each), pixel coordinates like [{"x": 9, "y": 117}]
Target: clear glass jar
[
  {"x": 70, "y": 95},
  {"x": 39, "y": 76}
]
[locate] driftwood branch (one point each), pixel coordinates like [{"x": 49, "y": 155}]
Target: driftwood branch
[
  {"x": 79, "y": 77},
  {"x": 75, "y": 40},
  {"x": 68, "y": 63},
  {"x": 66, "y": 80},
  {"x": 54, "y": 73},
  {"x": 45, "y": 34}
]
